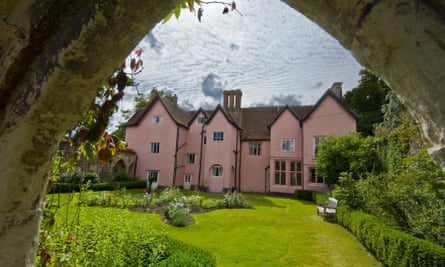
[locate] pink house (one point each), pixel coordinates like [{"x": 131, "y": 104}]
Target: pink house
[{"x": 258, "y": 149}]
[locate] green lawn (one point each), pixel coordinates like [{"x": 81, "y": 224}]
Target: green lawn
[{"x": 275, "y": 232}]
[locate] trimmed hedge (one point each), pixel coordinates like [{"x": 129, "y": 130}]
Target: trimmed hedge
[
  {"x": 309, "y": 195},
  {"x": 68, "y": 187},
  {"x": 181, "y": 254},
  {"x": 390, "y": 246}
]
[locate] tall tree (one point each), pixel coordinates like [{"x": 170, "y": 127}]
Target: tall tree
[{"x": 366, "y": 100}]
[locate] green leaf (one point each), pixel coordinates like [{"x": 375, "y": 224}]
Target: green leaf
[
  {"x": 177, "y": 11},
  {"x": 167, "y": 18}
]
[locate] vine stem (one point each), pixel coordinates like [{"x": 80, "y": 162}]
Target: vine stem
[{"x": 220, "y": 2}]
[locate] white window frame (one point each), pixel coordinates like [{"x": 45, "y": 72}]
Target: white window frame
[
  {"x": 296, "y": 173},
  {"x": 190, "y": 158},
  {"x": 218, "y": 136},
  {"x": 188, "y": 178},
  {"x": 154, "y": 173},
  {"x": 280, "y": 172},
  {"x": 156, "y": 119},
  {"x": 288, "y": 144},
  {"x": 217, "y": 171},
  {"x": 155, "y": 147},
  {"x": 255, "y": 149},
  {"x": 315, "y": 142}
]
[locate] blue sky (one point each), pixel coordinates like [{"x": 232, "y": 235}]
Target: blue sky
[{"x": 275, "y": 55}]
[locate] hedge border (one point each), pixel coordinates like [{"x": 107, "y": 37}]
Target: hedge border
[
  {"x": 68, "y": 187},
  {"x": 390, "y": 246}
]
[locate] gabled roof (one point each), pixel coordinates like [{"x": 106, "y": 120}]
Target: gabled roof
[
  {"x": 194, "y": 114},
  {"x": 255, "y": 122},
  {"x": 227, "y": 114},
  {"x": 299, "y": 112},
  {"x": 337, "y": 99},
  {"x": 177, "y": 114}
]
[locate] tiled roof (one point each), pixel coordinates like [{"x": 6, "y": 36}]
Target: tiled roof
[
  {"x": 178, "y": 115},
  {"x": 137, "y": 116},
  {"x": 255, "y": 122}
]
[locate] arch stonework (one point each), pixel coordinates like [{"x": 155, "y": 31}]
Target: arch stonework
[
  {"x": 52, "y": 58},
  {"x": 401, "y": 41}
]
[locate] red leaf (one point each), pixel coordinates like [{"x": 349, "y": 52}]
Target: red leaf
[
  {"x": 138, "y": 52},
  {"x": 226, "y": 10},
  {"x": 233, "y": 5}
]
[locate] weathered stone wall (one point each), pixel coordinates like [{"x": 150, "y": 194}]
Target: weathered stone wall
[
  {"x": 401, "y": 41},
  {"x": 54, "y": 55}
]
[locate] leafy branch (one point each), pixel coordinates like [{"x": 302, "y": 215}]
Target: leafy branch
[{"x": 190, "y": 5}]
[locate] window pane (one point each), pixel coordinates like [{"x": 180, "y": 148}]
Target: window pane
[
  {"x": 217, "y": 170},
  {"x": 190, "y": 158},
  {"x": 155, "y": 148},
  {"x": 288, "y": 145},
  {"x": 218, "y": 136}
]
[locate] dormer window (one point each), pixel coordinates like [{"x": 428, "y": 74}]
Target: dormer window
[{"x": 156, "y": 119}]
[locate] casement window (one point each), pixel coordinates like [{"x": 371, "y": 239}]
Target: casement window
[
  {"x": 313, "y": 178},
  {"x": 201, "y": 120},
  {"x": 190, "y": 158},
  {"x": 153, "y": 176},
  {"x": 156, "y": 119},
  {"x": 188, "y": 178},
  {"x": 295, "y": 173},
  {"x": 288, "y": 145},
  {"x": 217, "y": 171},
  {"x": 316, "y": 142},
  {"x": 280, "y": 172},
  {"x": 255, "y": 149},
  {"x": 155, "y": 148},
  {"x": 218, "y": 136}
]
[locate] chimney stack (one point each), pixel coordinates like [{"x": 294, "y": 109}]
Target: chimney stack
[
  {"x": 232, "y": 99},
  {"x": 153, "y": 93},
  {"x": 337, "y": 89}
]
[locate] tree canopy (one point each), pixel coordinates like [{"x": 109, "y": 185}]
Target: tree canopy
[{"x": 366, "y": 100}]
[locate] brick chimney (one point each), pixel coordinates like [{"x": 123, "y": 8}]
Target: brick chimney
[
  {"x": 172, "y": 98},
  {"x": 337, "y": 89},
  {"x": 232, "y": 99},
  {"x": 153, "y": 93}
]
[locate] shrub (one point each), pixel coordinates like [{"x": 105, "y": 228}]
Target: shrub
[
  {"x": 84, "y": 177},
  {"x": 391, "y": 247},
  {"x": 107, "y": 240},
  {"x": 122, "y": 177},
  {"x": 181, "y": 254},
  {"x": 170, "y": 194},
  {"x": 307, "y": 195},
  {"x": 178, "y": 213},
  {"x": 234, "y": 200}
]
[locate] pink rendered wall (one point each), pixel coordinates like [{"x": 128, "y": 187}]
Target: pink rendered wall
[
  {"x": 328, "y": 119},
  {"x": 181, "y": 154},
  {"x": 221, "y": 153},
  {"x": 193, "y": 145},
  {"x": 253, "y": 167},
  {"x": 285, "y": 127},
  {"x": 139, "y": 138}
]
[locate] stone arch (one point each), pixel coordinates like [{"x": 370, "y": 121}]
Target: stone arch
[
  {"x": 50, "y": 64},
  {"x": 401, "y": 41},
  {"x": 119, "y": 166}
]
